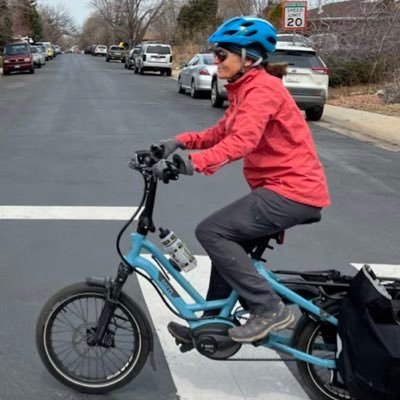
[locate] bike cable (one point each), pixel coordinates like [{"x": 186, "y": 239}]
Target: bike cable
[{"x": 127, "y": 263}]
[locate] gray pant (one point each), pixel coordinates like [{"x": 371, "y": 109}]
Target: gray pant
[{"x": 228, "y": 235}]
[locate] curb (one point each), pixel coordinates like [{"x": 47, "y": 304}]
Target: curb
[{"x": 378, "y": 126}]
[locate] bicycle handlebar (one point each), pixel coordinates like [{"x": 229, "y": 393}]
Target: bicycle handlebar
[{"x": 144, "y": 161}]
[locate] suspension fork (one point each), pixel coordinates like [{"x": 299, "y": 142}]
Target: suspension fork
[{"x": 113, "y": 290}]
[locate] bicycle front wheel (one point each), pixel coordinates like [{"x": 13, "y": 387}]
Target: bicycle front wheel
[{"x": 63, "y": 332}]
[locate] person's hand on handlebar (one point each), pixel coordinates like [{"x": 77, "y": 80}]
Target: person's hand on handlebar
[
  {"x": 166, "y": 170},
  {"x": 170, "y": 146}
]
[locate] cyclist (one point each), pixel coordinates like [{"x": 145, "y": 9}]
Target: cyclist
[{"x": 264, "y": 126}]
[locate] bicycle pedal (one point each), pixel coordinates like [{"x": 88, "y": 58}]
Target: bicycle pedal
[{"x": 185, "y": 347}]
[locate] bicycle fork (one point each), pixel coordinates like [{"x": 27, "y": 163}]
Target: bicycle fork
[{"x": 101, "y": 336}]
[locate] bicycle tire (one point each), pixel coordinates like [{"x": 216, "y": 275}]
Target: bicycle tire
[
  {"x": 306, "y": 332},
  {"x": 129, "y": 311}
]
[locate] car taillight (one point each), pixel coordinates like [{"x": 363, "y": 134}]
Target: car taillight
[
  {"x": 144, "y": 57},
  {"x": 27, "y": 59},
  {"x": 170, "y": 58},
  {"x": 321, "y": 70},
  {"x": 203, "y": 71}
]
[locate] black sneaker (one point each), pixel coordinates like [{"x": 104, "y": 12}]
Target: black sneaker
[
  {"x": 258, "y": 326},
  {"x": 179, "y": 332}
]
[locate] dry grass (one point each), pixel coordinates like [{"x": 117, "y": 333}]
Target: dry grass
[
  {"x": 363, "y": 97},
  {"x": 182, "y": 54}
]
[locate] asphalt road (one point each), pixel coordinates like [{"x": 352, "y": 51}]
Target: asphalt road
[{"x": 66, "y": 135}]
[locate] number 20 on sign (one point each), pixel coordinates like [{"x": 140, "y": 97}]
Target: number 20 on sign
[{"x": 294, "y": 15}]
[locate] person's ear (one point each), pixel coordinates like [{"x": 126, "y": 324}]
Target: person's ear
[{"x": 248, "y": 62}]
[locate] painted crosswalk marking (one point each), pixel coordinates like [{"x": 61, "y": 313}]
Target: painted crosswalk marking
[
  {"x": 385, "y": 270},
  {"x": 198, "y": 378},
  {"x": 66, "y": 213}
]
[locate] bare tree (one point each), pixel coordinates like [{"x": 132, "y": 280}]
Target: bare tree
[
  {"x": 56, "y": 22},
  {"x": 129, "y": 19}
]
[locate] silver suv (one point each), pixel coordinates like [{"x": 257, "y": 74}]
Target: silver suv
[
  {"x": 154, "y": 57},
  {"x": 307, "y": 79}
]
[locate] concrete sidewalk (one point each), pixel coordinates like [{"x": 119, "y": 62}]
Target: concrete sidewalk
[{"x": 377, "y": 126}]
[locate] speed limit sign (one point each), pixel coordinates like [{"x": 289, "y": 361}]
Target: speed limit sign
[{"x": 294, "y": 15}]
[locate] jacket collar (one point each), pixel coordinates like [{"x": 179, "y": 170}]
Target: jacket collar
[{"x": 247, "y": 77}]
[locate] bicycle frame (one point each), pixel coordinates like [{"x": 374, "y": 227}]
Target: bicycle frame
[{"x": 187, "y": 311}]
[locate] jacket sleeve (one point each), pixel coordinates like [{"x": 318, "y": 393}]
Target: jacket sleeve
[
  {"x": 253, "y": 114},
  {"x": 204, "y": 139}
]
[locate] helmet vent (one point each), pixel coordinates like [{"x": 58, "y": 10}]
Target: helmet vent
[
  {"x": 230, "y": 32},
  {"x": 251, "y": 33},
  {"x": 271, "y": 39},
  {"x": 246, "y": 24}
]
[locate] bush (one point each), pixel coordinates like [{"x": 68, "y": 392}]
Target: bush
[{"x": 353, "y": 71}]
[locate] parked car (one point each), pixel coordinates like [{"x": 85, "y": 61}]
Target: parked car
[
  {"x": 39, "y": 57},
  {"x": 49, "y": 50},
  {"x": 154, "y": 57},
  {"x": 196, "y": 75},
  {"x": 130, "y": 57},
  {"x": 100, "y": 50},
  {"x": 115, "y": 53},
  {"x": 307, "y": 79},
  {"x": 17, "y": 57}
]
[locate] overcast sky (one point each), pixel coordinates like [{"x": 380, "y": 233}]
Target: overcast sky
[{"x": 79, "y": 9}]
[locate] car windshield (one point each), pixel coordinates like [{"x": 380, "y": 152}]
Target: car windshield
[
  {"x": 208, "y": 59},
  {"x": 12, "y": 49},
  {"x": 101, "y": 47},
  {"x": 297, "y": 58},
  {"x": 116, "y": 48},
  {"x": 158, "y": 50},
  {"x": 34, "y": 49}
]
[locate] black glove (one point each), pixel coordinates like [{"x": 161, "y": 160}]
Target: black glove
[
  {"x": 160, "y": 169},
  {"x": 170, "y": 146},
  {"x": 183, "y": 164}
]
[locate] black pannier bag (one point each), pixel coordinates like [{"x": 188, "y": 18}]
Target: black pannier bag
[{"x": 369, "y": 340}]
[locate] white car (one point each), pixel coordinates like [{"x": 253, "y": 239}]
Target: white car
[
  {"x": 154, "y": 57},
  {"x": 39, "y": 57},
  {"x": 100, "y": 50},
  {"x": 196, "y": 75},
  {"x": 307, "y": 79}
]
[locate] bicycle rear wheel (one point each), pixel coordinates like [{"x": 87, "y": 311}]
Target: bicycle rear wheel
[
  {"x": 63, "y": 332},
  {"x": 318, "y": 338}
]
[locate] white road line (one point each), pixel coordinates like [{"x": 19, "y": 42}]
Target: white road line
[
  {"x": 386, "y": 270},
  {"x": 198, "y": 378},
  {"x": 66, "y": 213}
]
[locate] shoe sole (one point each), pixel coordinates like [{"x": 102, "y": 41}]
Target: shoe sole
[
  {"x": 178, "y": 337},
  {"x": 275, "y": 327}
]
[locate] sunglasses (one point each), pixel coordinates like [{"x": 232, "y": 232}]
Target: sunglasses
[{"x": 220, "y": 54}]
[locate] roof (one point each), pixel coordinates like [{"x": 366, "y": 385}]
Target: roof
[
  {"x": 351, "y": 9},
  {"x": 289, "y": 46}
]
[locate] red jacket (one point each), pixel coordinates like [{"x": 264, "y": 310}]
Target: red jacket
[{"x": 264, "y": 126}]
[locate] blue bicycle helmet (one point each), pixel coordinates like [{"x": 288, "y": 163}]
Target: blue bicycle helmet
[{"x": 246, "y": 32}]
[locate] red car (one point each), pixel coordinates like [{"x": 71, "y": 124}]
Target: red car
[{"x": 17, "y": 57}]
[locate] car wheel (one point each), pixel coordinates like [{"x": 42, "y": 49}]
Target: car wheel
[
  {"x": 193, "y": 91},
  {"x": 32, "y": 71},
  {"x": 141, "y": 70},
  {"x": 135, "y": 70},
  {"x": 126, "y": 67},
  {"x": 216, "y": 100},
  {"x": 40, "y": 65},
  {"x": 169, "y": 72},
  {"x": 107, "y": 60},
  {"x": 5, "y": 72},
  {"x": 315, "y": 113},
  {"x": 180, "y": 88}
]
